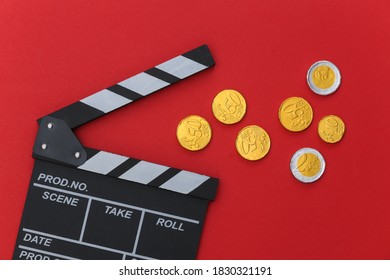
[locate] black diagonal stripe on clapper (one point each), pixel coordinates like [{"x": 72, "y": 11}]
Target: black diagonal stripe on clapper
[
  {"x": 201, "y": 55},
  {"x": 125, "y": 92},
  {"x": 124, "y": 167},
  {"x": 207, "y": 189},
  {"x": 165, "y": 176},
  {"x": 162, "y": 75}
]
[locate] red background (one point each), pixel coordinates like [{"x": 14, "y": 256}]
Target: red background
[{"x": 53, "y": 53}]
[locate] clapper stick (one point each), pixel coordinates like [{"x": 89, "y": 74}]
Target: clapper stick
[
  {"x": 136, "y": 87},
  {"x": 85, "y": 203}
]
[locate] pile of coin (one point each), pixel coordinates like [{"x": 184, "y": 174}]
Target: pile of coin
[
  {"x": 229, "y": 107},
  {"x": 252, "y": 142},
  {"x": 295, "y": 114}
]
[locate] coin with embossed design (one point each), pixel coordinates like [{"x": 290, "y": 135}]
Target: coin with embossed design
[
  {"x": 307, "y": 165},
  {"x": 323, "y": 77},
  {"x": 229, "y": 106},
  {"x": 295, "y": 114},
  {"x": 253, "y": 142},
  {"x": 331, "y": 129},
  {"x": 193, "y": 133}
]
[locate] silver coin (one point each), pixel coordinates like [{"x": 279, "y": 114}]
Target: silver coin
[
  {"x": 323, "y": 77},
  {"x": 307, "y": 165}
]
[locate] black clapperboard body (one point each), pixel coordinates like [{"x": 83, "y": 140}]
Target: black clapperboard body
[{"x": 84, "y": 203}]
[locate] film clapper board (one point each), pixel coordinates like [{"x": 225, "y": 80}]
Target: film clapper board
[{"x": 83, "y": 203}]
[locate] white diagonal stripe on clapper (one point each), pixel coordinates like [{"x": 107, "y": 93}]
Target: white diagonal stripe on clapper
[
  {"x": 181, "y": 67},
  {"x": 105, "y": 101},
  {"x": 103, "y": 162},
  {"x": 143, "y": 172},
  {"x": 143, "y": 83},
  {"x": 184, "y": 182}
]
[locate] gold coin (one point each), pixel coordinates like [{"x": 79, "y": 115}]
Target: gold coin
[
  {"x": 331, "y": 129},
  {"x": 253, "y": 142},
  {"x": 295, "y": 114},
  {"x": 307, "y": 165},
  {"x": 193, "y": 133},
  {"x": 323, "y": 77},
  {"x": 229, "y": 106}
]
